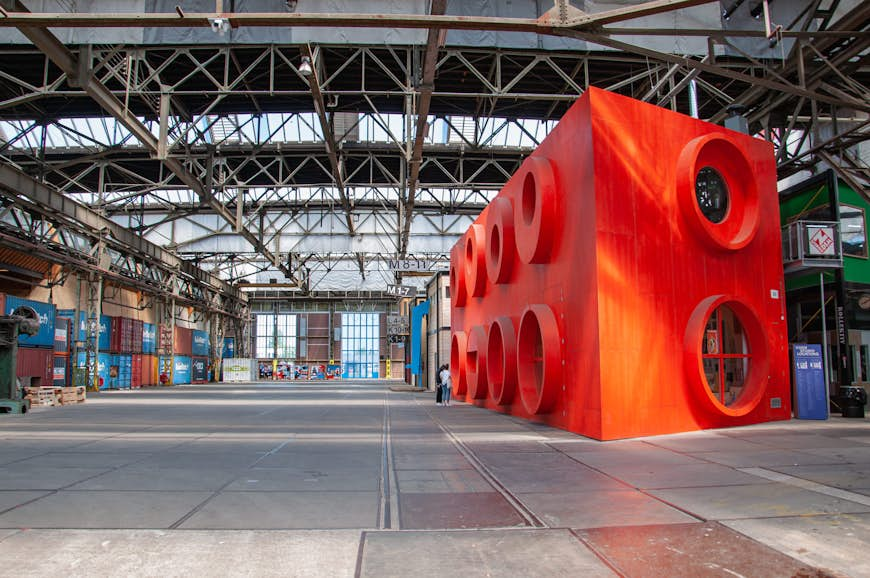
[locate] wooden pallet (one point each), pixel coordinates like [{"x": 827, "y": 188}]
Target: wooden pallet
[{"x": 48, "y": 396}]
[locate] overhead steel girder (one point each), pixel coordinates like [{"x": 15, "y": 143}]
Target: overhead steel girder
[
  {"x": 64, "y": 59},
  {"x": 57, "y": 205},
  {"x": 328, "y": 137},
  {"x": 427, "y": 85},
  {"x": 855, "y": 20},
  {"x": 18, "y": 17}
]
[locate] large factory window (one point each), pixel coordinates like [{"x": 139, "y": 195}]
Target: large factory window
[
  {"x": 360, "y": 344},
  {"x": 726, "y": 355},
  {"x": 285, "y": 337},
  {"x": 266, "y": 336},
  {"x": 852, "y": 231}
]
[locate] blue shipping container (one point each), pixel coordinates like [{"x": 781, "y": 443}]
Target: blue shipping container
[
  {"x": 66, "y": 313},
  {"x": 125, "y": 370},
  {"x": 181, "y": 370},
  {"x": 200, "y": 344},
  {"x": 46, "y": 313},
  {"x": 105, "y": 330},
  {"x": 229, "y": 347},
  {"x": 104, "y": 361},
  {"x": 149, "y": 338},
  {"x": 164, "y": 367}
]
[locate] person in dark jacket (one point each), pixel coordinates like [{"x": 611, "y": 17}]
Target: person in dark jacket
[{"x": 438, "y": 391}]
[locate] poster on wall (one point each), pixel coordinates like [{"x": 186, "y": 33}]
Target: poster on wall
[
  {"x": 810, "y": 391},
  {"x": 284, "y": 369},
  {"x": 264, "y": 369},
  {"x": 333, "y": 371}
]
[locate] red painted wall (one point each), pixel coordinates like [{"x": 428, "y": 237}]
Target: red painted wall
[{"x": 581, "y": 293}]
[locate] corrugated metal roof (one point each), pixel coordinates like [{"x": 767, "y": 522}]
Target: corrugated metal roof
[{"x": 23, "y": 261}]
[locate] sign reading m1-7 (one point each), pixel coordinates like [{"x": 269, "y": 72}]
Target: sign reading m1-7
[{"x": 400, "y": 290}]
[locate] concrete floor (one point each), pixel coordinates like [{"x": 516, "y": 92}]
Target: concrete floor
[{"x": 353, "y": 479}]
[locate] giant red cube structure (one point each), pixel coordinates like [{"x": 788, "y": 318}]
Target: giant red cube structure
[{"x": 627, "y": 280}]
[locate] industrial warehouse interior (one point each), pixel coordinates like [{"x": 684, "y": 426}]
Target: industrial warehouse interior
[{"x": 418, "y": 287}]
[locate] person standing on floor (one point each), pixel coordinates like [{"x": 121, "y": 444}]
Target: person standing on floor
[
  {"x": 446, "y": 384},
  {"x": 439, "y": 391}
]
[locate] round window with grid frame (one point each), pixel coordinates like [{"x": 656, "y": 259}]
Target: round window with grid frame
[{"x": 726, "y": 356}]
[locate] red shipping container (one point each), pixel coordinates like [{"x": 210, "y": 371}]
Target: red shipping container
[
  {"x": 136, "y": 372},
  {"x": 136, "y": 344},
  {"x": 183, "y": 341},
  {"x": 164, "y": 339},
  {"x": 122, "y": 335},
  {"x": 35, "y": 366},
  {"x": 147, "y": 370}
]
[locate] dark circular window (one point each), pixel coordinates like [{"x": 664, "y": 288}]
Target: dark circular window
[{"x": 712, "y": 194}]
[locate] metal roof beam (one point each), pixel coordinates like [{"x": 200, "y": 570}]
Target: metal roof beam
[
  {"x": 58, "y": 205},
  {"x": 66, "y": 61},
  {"x": 18, "y": 16},
  {"x": 328, "y": 136},
  {"x": 427, "y": 85}
]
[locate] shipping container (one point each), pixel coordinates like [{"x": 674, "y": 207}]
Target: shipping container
[
  {"x": 181, "y": 370},
  {"x": 229, "y": 347},
  {"x": 121, "y": 335},
  {"x": 105, "y": 330},
  {"x": 138, "y": 332},
  {"x": 104, "y": 362},
  {"x": 61, "y": 335},
  {"x": 199, "y": 370},
  {"x": 164, "y": 370},
  {"x": 3, "y": 302},
  {"x": 183, "y": 342},
  {"x": 46, "y": 313},
  {"x": 199, "y": 343},
  {"x": 35, "y": 366},
  {"x": 66, "y": 314},
  {"x": 136, "y": 375},
  {"x": 149, "y": 338},
  {"x": 124, "y": 362},
  {"x": 147, "y": 370},
  {"x": 164, "y": 339},
  {"x": 236, "y": 369},
  {"x": 60, "y": 371}
]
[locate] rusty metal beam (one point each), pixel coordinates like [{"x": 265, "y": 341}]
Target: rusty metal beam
[
  {"x": 843, "y": 174},
  {"x": 328, "y": 136},
  {"x": 16, "y": 17},
  {"x": 427, "y": 85},
  {"x": 757, "y": 82},
  {"x": 855, "y": 19},
  {"x": 66, "y": 61}
]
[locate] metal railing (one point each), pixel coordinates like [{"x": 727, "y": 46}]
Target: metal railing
[{"x": 811, "y": 245}]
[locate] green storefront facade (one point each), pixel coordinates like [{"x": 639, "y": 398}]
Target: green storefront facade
[{"x": 846, "y": 291}]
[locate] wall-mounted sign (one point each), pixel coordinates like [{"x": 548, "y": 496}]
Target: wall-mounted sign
[
  {"x": 409, "y": 265},
  {"x": 397, "y": 325},
  {"x": 400, "y": 290},
  {"x": 821, "y": 240}
]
